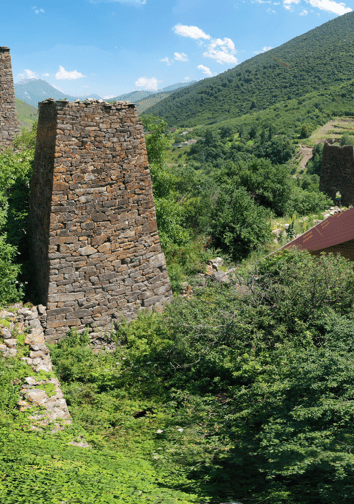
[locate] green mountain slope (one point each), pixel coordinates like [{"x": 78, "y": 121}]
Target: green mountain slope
[
  {"x": 26, "y": 114},
  {"x": 145, "y": 99},
  {"x": 318, "y": 61},
  {"x": 133, "y": 97},
  {"x": 149, "y": 101}
]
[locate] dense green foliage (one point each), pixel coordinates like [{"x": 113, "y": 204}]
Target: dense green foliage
[
  {"x": 41, "y": 467},
  {"x": 242, "y": 393},
  {"x": 15, "y": 175},
  {"x": 291, "y": 71}
]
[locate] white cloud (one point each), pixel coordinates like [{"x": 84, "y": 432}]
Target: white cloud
[
  {"x": 28, "y": 74},
  {"x": 38, "y": 11},
  {"x": 166, "y": 60},
  {"x": 287, "y": 4},
  {"x": 303, "y": 13},
  {"x": 330, "y": 6},
  {"x": 107, "y": 97},
  {"x": 222, "y": 50},
  {"x": 131, "y": 2},
  {"x": 191, "y": 31},
  {"x": 181, "y": 56},
  {"x": 265, "y": 49},
  {"x": 205, "y": 70},
  {"x": 145, "y": 83},
  {"x": 46, "y": 75},
  {"x": 63, "y": 74}
]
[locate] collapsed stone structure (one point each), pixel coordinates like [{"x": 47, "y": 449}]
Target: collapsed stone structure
[
  {"x": 92, "y": 224},
  {"x": 46, "y": 408},
  {"x": 9, "y": 125},
  {"x": 337, "y": 172}
]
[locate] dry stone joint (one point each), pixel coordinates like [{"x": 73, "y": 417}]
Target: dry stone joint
[{"x": 92, "y": 223}]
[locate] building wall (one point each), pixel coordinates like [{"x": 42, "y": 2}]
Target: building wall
[
  {"x": 345, "y": 249},
  {"x": 337, "y": 172},
  {"x": 92, "y": 223},
  {"x": 9, "y": 126}
]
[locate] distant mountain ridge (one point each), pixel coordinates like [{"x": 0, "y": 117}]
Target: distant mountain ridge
[
  {"x": 136, "y": 96},
  {"x": 316, "y": 61},
  {"x": 33, "y": 91}
]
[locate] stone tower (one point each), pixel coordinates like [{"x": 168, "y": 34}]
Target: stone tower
[
  {"x": 92, "y": 224},
  {"x": 9, "y": 126},
  {"x": 337, "y": 172}
]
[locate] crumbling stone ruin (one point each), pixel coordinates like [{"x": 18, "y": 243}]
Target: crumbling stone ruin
[
  {"x": 337, "y": 172},
  {"x": 9, "y": 125},
  {"x": 92, "y": 225},
  {"x": 41, "y": 395}
]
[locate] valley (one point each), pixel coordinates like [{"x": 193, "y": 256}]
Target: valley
[{"x": 241, "y": 389}]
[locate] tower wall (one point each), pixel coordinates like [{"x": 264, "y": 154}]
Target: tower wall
[
  {"x": 9, "y": 125},
  {"x": 337, "y": 172},
  {"x": 92, "y": 223}
]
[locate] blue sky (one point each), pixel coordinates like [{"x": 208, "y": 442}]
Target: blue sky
[{"x": 110, "y": 47}]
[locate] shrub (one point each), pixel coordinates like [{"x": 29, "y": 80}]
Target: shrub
[{"x": 238, "y": 224}]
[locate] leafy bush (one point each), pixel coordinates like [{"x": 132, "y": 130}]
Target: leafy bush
[
  {"x": 314, "y": 164},
  {"x": 305, "y": 202},
  {"x": 15, "y": 175},
  {"x": 238, "y": 225},
  {"x": 347, "y": 139},
  {"x": 11, "y": 290}
]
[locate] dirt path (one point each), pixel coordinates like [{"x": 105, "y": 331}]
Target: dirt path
[{"x": 305, "y": 155}]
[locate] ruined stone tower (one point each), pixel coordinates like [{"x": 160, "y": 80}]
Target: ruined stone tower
[
  {"x": 337, "y": 172},
  {"x": 9, "y": 126},
  {"x": 92, "y": 223}
]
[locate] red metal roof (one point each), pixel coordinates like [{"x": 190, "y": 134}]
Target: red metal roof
[{"x": 334, "y": 230}]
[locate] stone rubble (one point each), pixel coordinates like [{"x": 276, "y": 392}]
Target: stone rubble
[
  {"x": 215, "y": 274},
  {"x": 44, "y": 394}
]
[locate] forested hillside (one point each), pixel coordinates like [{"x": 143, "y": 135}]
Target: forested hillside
[{"x": 319, "y": 62}]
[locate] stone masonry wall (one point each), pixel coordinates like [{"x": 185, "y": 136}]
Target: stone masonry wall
[
  {"x": 9, "y": 126},
  {"x": 92, "y": 224},
  {"x": 337, "y": 172}
]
